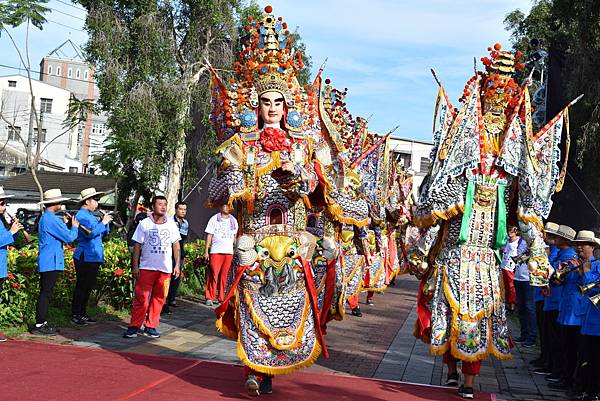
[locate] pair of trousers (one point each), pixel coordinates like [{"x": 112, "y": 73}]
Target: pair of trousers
[
  {"x": 526, "y": 309},
  {"x": 86, "y": 281},
  {"x": 47, "y": 282},
  {"x": 590, "y": 366},
  {"x": 353, "y": 301},
  {"x": 216, "y": 275},
  {"x": 510, "y": 293},
  {"x": 539, "y": 318},
  {"x": 553, "y": 347},
  {"x": 249, "y": 371},
  {"x": 467, "y": 368},
  {"x": 569, "y": 351},
  {"x": 151, "y": 290}
]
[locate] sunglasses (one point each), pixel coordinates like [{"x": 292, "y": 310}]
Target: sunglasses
[{"x": 3, "y": 203}]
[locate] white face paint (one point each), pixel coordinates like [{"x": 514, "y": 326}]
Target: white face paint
[{"x": 271, "y": 107}]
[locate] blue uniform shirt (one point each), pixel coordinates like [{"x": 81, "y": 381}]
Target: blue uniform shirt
[
  {"x": 89, "y": 246},
  {"x": 553, "y": 301},
  {"x": 591, "y": 321},
  {"x": 537, "y": 291},
  {"x": 572, "y": 308},
  {"x": 53, "y": 233},
  {"x": 6, "y": 238}
]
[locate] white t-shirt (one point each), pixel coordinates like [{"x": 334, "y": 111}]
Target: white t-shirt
[
  {"x": 223, "y": 231},
  {"x": 157, "y": 244}
]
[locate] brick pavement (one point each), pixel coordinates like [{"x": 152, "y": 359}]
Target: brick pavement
[{"x": 379, "y": 344}]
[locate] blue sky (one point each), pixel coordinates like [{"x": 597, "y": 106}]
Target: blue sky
[{"x": 381, "y": 50}]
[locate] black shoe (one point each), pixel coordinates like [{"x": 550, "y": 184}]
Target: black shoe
[
  {"x": 370, "y": 302},
  {"x": 173, "y": 304},
  {"x": 356, "y": 312},
  {"x": 166, "y": 310},
  {"x": 393, "y": 282},
  {"x": 266, "y": 385},
  {"x": 553, "y": 378},
  {"x": 78, "y": 320},
  {"x": 466, "y": 392},
  {"x": 252, "y": 386},
  {"x": 43, "y": 330},
  {"x": 542, "y": 371},
  {"x": 131, "y": 332},
  {"x": 452, "y": 380},
  {"x": 559, "y": 385},
  {"x": 88, "y": 319}
]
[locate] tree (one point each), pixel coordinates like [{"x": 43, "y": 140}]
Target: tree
[
  {"x": 569, "y": 29},
  {"x": 150, "y": 58},
  {"x": 14, "y": 13}
]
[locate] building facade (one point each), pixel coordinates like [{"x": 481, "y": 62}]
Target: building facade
[
  {"x": 19, "y": 131},
  {"x": 414, "y": 155}
]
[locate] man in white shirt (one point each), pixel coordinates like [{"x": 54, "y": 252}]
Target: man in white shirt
[
  {"x": 156, "y": 246},
  {"x": 221, "y": 232},
  {"x": 514, "y": 247}
]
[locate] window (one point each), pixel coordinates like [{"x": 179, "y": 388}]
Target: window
[
  {"x": 404, "y": 158},
  {"x": 70, "y": 72},
  {"x": 13, "y": 133},
  {"x": 85, "y": 75},
  {"x": 49, "y": 70},
  {"x": 42, "y": 138},
  {"x": 58, "y": 71},
  {"x": 12, "y": 84},
  {"x": 46, "y": 105},
  {"x": 72, "y": 169},
  {"x": 424, "y": 165},
  {"x": 78, "y": 73}
]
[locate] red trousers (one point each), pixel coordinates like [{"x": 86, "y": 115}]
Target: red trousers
[
  {"x": 467, "y": 368},
  {"x": 151, "y": 290},
  {"x": 510, "y": 294},
  {"x": 216, "y": 275},
  {"x": 353, "y": 302}
]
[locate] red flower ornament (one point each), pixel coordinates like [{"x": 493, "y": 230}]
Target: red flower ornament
[{"x": 273, "y": 139}]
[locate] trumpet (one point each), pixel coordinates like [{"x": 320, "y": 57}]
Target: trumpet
[
  {"x": 26, "y": 235},
  {"x": 584, "y": 289},
  {"x": 595, "y": 299},
  {"x": 561, "y": 274}
]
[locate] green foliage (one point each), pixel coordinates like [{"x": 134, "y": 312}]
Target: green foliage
[
  {"x": 114, "y": 287},
  {"x": 16, "y": 12},
  {"x": 570, "y": 30}
]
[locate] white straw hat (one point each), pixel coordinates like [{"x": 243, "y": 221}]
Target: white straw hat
[
  {"x": 3, "y": 194},
  {"x": 587, "y": 236},
  {"x": 88, "y": 193},
  {"x": 53, "y": 196},
  {"x": 566, "y": 232},
  {"x": 551, "y": 228}
]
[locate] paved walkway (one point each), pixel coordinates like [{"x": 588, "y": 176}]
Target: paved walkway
[{"x": 378, "y": 345}]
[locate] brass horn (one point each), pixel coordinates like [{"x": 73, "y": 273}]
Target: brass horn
[
  {"x": 560, "y": 275},
  {"x": 584, "y": 289},
  {"x": 595, "y": 299},
  {"x": 522, "y": 258}
]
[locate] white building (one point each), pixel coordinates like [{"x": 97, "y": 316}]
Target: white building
[
  {"x": 414, "y": 154},
  {"x": 58, "y": 145}
]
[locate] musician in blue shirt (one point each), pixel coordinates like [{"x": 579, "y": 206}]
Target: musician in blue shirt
[
  {"x": 52, "y": 235},
  {"x": 8, "y": 230},
  {"x": 89, "y": 254},
  {"x": 590, "y": 326},
  {"x": 564, "y": 236},
  {"x": 550, "y": 230}
]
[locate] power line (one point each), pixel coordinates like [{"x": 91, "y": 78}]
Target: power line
[
  {"x": 66, "y": 26},
  {"x": 70, "y": 5},
  {"x": 67, "y": 14},
  {"x": 43, "y": 73}
]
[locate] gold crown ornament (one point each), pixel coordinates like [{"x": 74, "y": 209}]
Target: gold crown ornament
[{"x": 268, "y": 62}]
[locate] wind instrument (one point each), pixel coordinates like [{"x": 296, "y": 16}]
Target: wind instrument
[
  {"x": 595, "y": 299},
  {"x": 84, "y": 228},
  {"x": 561, "y": 274},
  {"x": 26, "y": 235},
  {"x": 584, "y": 289}
]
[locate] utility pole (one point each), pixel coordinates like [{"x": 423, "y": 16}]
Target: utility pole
[{"x": 30, "y": 135}]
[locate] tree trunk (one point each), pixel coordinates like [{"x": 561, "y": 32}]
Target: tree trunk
[{"x": 175, "y": 171}]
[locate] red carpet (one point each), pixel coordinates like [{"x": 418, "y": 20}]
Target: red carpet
[{"x": 35, "y": 371}]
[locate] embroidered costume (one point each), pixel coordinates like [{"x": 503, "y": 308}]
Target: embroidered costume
[{"x": 488, "y": 169}]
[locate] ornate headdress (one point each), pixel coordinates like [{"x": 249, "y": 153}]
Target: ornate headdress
[{"x": 267, "y": 63}]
